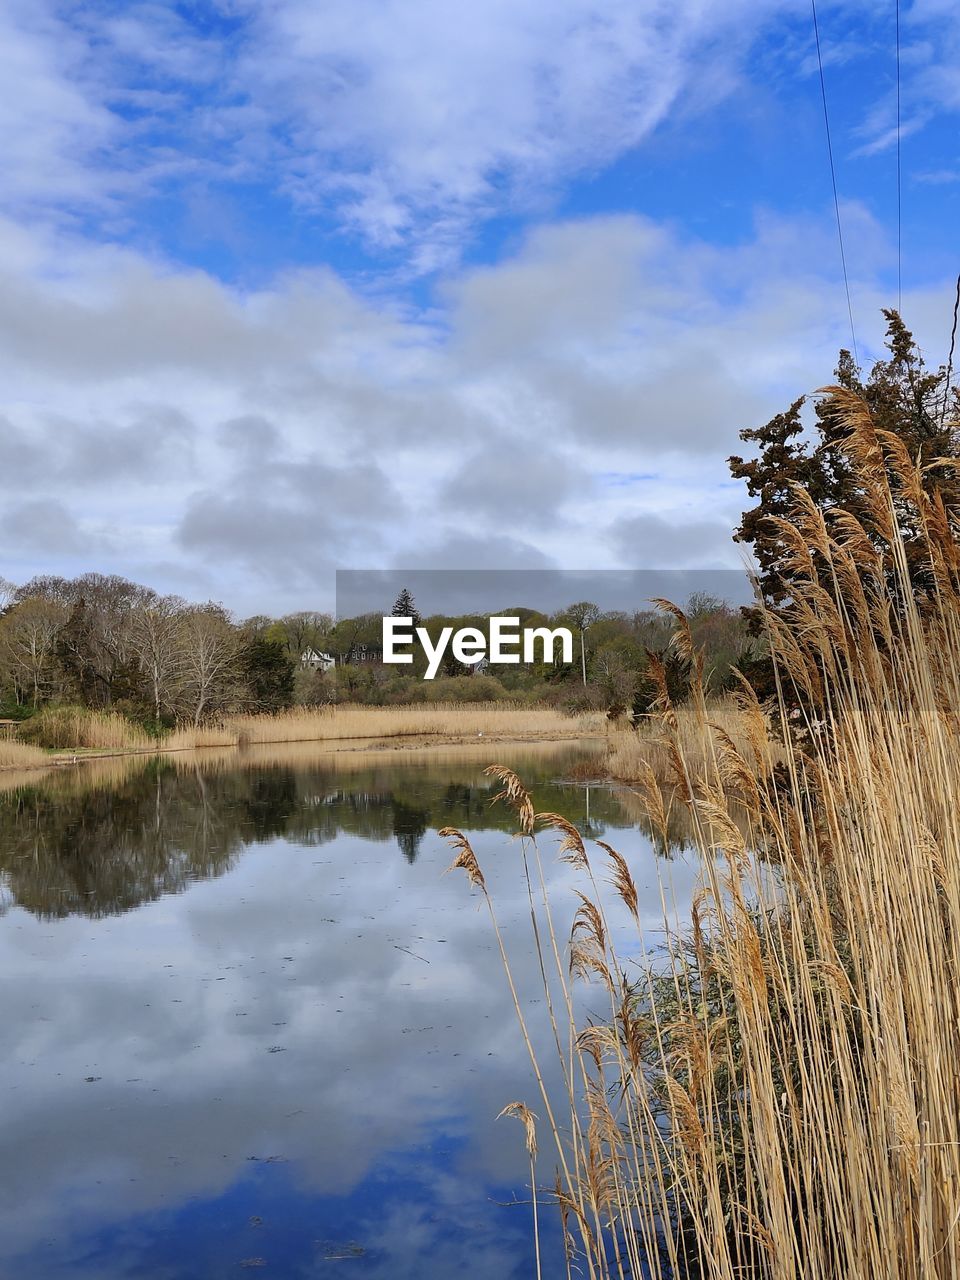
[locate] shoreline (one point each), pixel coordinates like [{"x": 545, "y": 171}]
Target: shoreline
[{"x": 407, "y": 741}]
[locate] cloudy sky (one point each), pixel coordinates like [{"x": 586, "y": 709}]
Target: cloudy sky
[{"x": 292, "y": 286}]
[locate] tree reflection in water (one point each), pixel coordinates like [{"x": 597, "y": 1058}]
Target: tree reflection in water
[{"x": 105, "y": 837}]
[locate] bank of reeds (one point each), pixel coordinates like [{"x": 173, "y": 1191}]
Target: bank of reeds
[
  {"x": 198, "y": 737},
  {"x": 19, "y": 755},
  {"x": 441, "y": 719},
  {"x": 650, "y": 746},
  {"x": 69, "y": 729},
  {"x": 78, "y": 728},
  {"x": 777, "y": 1093}
]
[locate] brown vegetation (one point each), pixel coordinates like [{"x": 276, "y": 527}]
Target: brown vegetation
[
  {"x": 776, "y": 1095},
  {"x": 75, "y": 729},
  {"x": 650, "y": 747},
  {"x": 18, "y": 755},
  {"x": 466, "y": 720}
]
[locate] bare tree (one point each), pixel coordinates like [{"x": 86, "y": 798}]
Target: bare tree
[
  {"x": 156, "y": 640},
  {"x": 305, "y": 630},
  {"x": 96, "y": 642},
  {"x": 583, "y": 615},
  {"x": 28, "y": 646},
  {"x": 209, "y": 653}
]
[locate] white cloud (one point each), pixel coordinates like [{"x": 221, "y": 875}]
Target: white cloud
[
  {"x": 242, "y": 444},
  {"x": 465, "y": 107},
  {"x": 408, "y": 127},
  {"x": 53, "y": 131}
]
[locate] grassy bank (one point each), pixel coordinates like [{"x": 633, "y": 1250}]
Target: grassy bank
[
  {"x": 18, "y": 755},
  {"x": 677, "y": 753},
  {"x": 453, "y": 720},
  {"x": 774, "y": 1093},
  {"x": 72, "y": 731}
]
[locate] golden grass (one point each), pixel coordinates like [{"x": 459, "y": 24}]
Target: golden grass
[
  {"x": 76, "y": 728},
  {"x": 19, "y": 755},
  {"x": 776, "y": 1094},
  {"x": 651, "y": 745},
  {"x": 191, "y": 738},
  {"x": 464, "y": 719}
]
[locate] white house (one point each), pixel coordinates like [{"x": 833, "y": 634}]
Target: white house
[{"x": 317, "y": 661}]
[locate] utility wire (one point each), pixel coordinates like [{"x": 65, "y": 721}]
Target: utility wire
[
  {"x": 833, "y": 179},
  {"x": 899, "y": 184},
  {"x": 953, "y": 343}
]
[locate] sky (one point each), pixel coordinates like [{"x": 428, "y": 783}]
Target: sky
[{"x": 289, "y": 287}]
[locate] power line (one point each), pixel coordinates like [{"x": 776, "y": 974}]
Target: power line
[
  {"x": 833, "y": 179},
  {"x": 899, "y": 185},
  {"x": 953, "y": 343}
]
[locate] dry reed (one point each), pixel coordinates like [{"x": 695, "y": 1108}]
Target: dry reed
[
  {"x": 77, "y": 728},
  {"x": 652, "y": 745},
  {"x": 464, "y": 719},
  {"x": 779, "y": 1096},
  {"x": 19, "y": 755},
  {"x": 197, "y": 737}
]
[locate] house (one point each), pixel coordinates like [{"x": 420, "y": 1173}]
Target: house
[
  {"x": 314, "y": 661},
  {"x": 363, "y": 654}
]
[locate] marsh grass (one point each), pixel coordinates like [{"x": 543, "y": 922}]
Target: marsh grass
[
  {"x": 72, "y": 729},
  {"x": 198, "y": 737},
  {"x": 452, "y": 719},
  {"x": 20, "y": 755},
  {"x": 78, "y": 728},
  {"x": 653, "y": 744},
  {"x": 776, "y": 1093}
]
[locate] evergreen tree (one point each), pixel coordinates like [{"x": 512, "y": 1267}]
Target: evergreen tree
[
  {"x": 405, "y": 607},
  {"x": 268, "y": 673},
  {"x": 904, "y": 399}
]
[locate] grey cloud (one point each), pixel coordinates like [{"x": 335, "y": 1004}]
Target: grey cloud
[
  {"x": 140, "y": 318},
  {"x": 520, "y": 482},
  {"x": 153, "y": 443},
  {"x": 22, "y": 460},
  {"x": 472, "y": 551},
  {"x": 44, "y": 526},
  {"x": 365, "y": 439},
  {"x": 292, "y": 520},
  {"x": 251, "y": 436},
  {"x": 652, "y": 541}
]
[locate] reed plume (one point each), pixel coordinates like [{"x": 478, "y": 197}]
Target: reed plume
[{"x": 774, "y": 1092}]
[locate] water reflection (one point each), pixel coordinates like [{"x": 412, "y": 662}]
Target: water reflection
[
  {"x": 101, "y": 842},
  {"x": 292, "y": 1051}
]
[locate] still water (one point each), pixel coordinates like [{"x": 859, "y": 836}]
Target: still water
[{"x": 250, "y": 1026}]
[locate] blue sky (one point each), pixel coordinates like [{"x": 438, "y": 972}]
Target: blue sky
[{"x": 445, "y": 286}]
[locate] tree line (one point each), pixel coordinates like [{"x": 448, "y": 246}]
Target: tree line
[{"x": 103, "y": 642}]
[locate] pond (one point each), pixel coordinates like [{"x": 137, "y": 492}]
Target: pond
[{"x": 249, "y": 1025}]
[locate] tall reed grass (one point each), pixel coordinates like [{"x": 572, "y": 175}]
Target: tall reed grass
[
  {"x": 652, "y": 745},
  {"x": 19, "y": 755},
  {"x": 78, "y": 728},
  {"x": 196, "y": 737},
  {"x": 777, "y": 1093},
  {"x": 451, "y": 719}
]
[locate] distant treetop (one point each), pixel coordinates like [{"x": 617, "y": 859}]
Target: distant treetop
[{"x": 406, "y": 607}]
